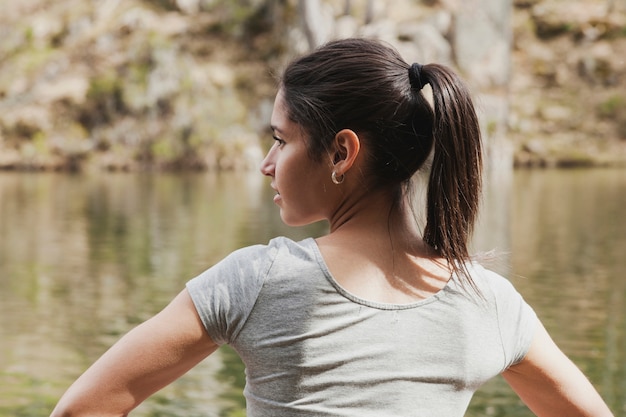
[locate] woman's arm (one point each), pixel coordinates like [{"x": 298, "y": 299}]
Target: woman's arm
[
  {"x": 551, "y": 385},
  {"x": 149, "y": 357}
]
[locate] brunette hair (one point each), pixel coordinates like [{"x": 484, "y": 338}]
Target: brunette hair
[{"x": 366, "y": 86}]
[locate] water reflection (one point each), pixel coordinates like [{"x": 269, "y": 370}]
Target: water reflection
[
  {"x": 573, "y": 264},
  {"x": 567, "y": 245},
  {"x": 85, "y": 258}
]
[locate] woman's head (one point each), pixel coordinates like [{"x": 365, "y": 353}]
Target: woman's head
[
  {"x": 362, "y": 85},
  {"x": 365, "y": 86}
]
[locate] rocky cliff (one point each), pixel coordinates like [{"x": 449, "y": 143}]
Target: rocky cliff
[
  {"x": 568, "y": 90},
  {"x": 188, "y": 84}
]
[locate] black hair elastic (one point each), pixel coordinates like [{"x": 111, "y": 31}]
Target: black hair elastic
[{"x": 415, "y": 76}]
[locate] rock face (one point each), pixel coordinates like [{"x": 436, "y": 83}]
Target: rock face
[
  {"x": 567, "y": 92},
  {"x": 128, "y": 85},
  {"x": 187, "y": 84}
]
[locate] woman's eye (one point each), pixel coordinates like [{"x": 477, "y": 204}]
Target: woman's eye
[{"x": 279, "y": 140}]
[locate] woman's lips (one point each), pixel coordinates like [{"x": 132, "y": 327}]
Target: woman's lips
[{"x": 277, "y": 195}]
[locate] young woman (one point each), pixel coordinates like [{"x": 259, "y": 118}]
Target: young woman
[{"x": 377, "y": 318}]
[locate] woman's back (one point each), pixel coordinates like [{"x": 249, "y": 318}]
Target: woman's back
[{"x": 313, "y": 348}]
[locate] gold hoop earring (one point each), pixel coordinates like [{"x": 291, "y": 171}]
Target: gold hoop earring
[{"x": 333, "y": 176}]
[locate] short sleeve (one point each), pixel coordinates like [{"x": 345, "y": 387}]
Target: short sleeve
[
  {"x": 516, "y": 319},
  {"x": 225, "y": 293}
]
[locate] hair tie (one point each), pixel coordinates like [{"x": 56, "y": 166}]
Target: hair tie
[{"x": 415, "y": 76}]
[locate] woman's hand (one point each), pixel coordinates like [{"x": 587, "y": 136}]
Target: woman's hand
[
  {"x": 551, "y": 385},
  {"x": 149, "y": 357}
]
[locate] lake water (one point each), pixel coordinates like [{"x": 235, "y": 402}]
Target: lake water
[{"x": 83, "y": 258}]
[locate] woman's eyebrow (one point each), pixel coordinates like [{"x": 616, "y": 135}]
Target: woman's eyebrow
[{"x": 276, "y": 129}]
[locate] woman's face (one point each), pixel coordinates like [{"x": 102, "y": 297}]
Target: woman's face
[{"x": 301, "y": 184}]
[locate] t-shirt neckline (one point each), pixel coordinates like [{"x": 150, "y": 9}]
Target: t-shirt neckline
[{"x": 310, "y": 242}]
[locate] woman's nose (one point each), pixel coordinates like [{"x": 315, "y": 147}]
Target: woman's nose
[{"x": 267, "y": 165}]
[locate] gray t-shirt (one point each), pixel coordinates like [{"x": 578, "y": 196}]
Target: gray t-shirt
[{"x": 313, "y": 349}]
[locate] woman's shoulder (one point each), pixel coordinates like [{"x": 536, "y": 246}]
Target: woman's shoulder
[
  {"x": 279, "y": 242},
  {"x": 280, "y": 245},
  {"x": 490, "y": 284},
  {"x": 305, "y": 248}
]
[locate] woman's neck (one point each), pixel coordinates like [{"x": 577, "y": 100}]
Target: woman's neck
[
  {"x": 375, "y": 217},
  {"x": 376, "y": 252}
]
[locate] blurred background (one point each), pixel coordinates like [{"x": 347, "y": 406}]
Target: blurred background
[{"x": 131, "y": 133}]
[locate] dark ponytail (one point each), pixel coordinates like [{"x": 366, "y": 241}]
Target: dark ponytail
[{"x": 455, "y": 181}]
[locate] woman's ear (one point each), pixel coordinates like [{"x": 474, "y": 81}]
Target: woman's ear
[{"x": 346, "y": 146}]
